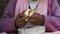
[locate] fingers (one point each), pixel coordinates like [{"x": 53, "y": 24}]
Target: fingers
[
  {"x": 23, "y": 11},
  {"x": 20, "y": 22},
  {"x": 36, "y": 19},
  {"x": 35, "y": 15},
  {"x": 21, "y": 16},
  {"x": 33, "y": 20}
]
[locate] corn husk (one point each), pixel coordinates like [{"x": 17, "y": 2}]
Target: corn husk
[{"x": 29, "y": 13}]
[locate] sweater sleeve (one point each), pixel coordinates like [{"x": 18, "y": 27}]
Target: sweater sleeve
[
  {"x": 7, "y": 22},
  {"x": 52, "y": 23}
]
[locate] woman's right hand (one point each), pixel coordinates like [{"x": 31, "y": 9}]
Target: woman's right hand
[{"x": 20, "y": 20}]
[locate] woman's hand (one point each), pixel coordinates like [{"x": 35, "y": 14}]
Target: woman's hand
[
  {"x": 20, "y": 20},
  {"x": 36, "y": 19}
]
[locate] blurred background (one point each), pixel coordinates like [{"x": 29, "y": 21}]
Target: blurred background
[
  {"x": 58, "y": 1},
  {"x": 3, "y": 4}
]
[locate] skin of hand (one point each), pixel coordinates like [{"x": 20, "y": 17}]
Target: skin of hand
[
  {"x": 20, "y": 20},
  {"x": 36, "y": 19}
]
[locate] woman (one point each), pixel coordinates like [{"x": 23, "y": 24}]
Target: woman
[
  {"x": 50, "y": 12},
  {"x": 50, "y": 16}
]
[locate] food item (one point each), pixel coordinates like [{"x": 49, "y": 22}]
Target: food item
[
  {"x": 33, "y": 30},
  {"x": 29, "y": 13}
]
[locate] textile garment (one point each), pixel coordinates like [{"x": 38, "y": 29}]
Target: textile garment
[{"x": 52, "y": 20}]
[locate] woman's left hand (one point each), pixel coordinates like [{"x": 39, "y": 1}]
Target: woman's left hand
[{"x": 36, "y": 19}]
